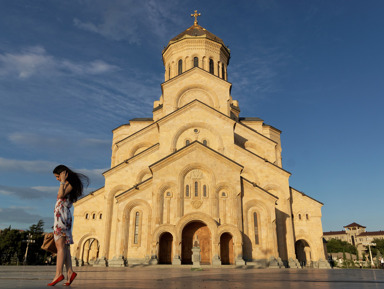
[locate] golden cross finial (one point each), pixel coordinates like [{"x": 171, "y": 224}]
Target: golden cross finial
[{"x": 195, "y": 15}]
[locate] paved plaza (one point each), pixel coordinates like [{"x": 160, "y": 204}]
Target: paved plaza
[{"x": 183, "y": 277}]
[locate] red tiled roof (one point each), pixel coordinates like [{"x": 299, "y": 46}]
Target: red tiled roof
[
  {"x": 354, "y": 225},
  {"x": 334, "y": 233},
  {"x": 376, "y": 233}
]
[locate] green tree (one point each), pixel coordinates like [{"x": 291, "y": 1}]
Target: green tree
[
  {"x": 36, "y": 256},
  {"x": 336, "y": 246},
  {"x": 378, "y": 248},
  {"x": 13, "y": 245},
  {"x": 10, "y": 245}
]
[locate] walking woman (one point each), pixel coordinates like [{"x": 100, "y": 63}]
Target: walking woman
[{"x": 71, "y": 188}]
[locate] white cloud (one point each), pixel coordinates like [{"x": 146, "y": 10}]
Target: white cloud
[
  {"x": 33, "y": 139},
  {"x": 22, "y": 218},
  {"x": 126, "y": 19},
  {"x": 29, "y": 192},
  {"x": 33, "y": 61},
  {"x": 41, "y": 167}
]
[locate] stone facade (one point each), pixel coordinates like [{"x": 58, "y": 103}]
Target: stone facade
[
  {"x": 356, "y": 235},
  {"x": 198, "y": 171}
]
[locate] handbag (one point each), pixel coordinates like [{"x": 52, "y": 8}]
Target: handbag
[{"x": 49, "y": 243}]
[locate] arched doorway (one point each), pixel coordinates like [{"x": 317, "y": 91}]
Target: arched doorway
[
  {"x": 303, "y": 253},
  {"x": 191, "y": 232},
  {"x": 226, "y": 249},
  {"x": 165, "y": 248},
  {"x": 90, "y": 251}
]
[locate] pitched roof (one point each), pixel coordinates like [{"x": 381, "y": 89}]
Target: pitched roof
[
  {"x": 334, "y": 233},
  {"x": 354, "y": 225},
  {"x": 375, "y": 233}
]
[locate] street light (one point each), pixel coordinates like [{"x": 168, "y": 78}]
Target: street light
[
  {"x": 28, "y": 241},
  {"x": 370, "y": 252}
]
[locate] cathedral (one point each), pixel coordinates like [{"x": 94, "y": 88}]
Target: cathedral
[{"x": 197, "y": 174}]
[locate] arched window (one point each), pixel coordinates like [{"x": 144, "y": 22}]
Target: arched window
[
  {"x": 180, "y": 67},
  {"x": 211, "y": 66},
  {"x": 256, "y": 228},
  {"x": 204, "y": 191},
  {"x": 196, "y": 189},
  {"x": 101, "y": 216},
  {"x": 187, "y": 142},
  {"x": 205, "y": 142},
  {"x": 187, "y": 191},
  {"x": 299, "y": 216},
  {"x": 222, "y": 72},
  {"x": 195, "y": 62},
  {"x": 137, "y": 223},
  {"x": 94, "y": 216},
  {"x": 87, "y": 216},
  {"x": 306, "y": 216}
]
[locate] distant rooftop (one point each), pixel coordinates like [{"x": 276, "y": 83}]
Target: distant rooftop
[
  {"x": 354, "y": 225},
  {"x": 375, "y": 233},
  {"x": 334, "y": 233}
]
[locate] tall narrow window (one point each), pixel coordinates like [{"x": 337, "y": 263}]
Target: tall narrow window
[
  {"x": 211, "y": 66},
  {"x": 205, "y": 142},
  {"x": 195, "y": 62},
  {"x": 196, "y": 189},
  {"x": 222, "y": 72},
  {"x": 187, "y": 191},
  {"x": 205, "y": 191},
  {"x": 256, "y": 228},
  {"x": 187, "y": 142},
  {"x": 180, "y": 66},
  {"x": 137, "y": 222},
  {"x": 169, "y": 72}
]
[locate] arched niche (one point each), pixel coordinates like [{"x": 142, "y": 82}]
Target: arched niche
[
  {"x": 200, "y": 92},
  {"x": 197, "y": 131}
]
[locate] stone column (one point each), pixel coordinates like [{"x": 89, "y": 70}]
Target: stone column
[{"x": 107, "y": 232}]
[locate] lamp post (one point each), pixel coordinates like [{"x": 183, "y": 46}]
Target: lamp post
[
  {"x": 370, "y": 252},
  {"x": 28, "y": 241}
]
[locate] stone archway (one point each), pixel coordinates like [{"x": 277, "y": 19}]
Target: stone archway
[
  {"x": 165, "y": 248},
  {"x": 200, "y": 231},
  {"x": 90, "y": 253},
  {"x": 226, "y": 249},
  {"x": 303, "y": 253}
]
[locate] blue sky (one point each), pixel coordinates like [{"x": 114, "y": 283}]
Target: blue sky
[{"x": 72, "y": 71}]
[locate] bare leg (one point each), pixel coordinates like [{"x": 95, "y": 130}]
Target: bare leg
[
  {"x": 68, "y": 262},
  {"x": 60, "y": 245}
]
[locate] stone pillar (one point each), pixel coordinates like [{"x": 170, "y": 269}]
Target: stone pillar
[
  {"x": 107, "y": 232},
  {"x": 176, "y": 260},
  {"x": 307, "y": 252},
  {"x": 196, "y": 258},
  {"x": 117, "y": 262}
]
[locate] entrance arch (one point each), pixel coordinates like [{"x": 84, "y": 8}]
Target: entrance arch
[
  {"x": 226, "y": 249},
  {"x": 303, "y": 252},
  {"x": 91, "y": 249},
  {"x": 191, "y": 232},
  {"x": 165, "y": 248}
]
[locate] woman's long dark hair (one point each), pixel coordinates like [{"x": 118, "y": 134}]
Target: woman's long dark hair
[{"x": 77, "y": 181}]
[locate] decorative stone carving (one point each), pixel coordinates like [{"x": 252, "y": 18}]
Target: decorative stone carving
[
  {"x": 196, "y": 174},
  {"x": 197, "y": 204}
]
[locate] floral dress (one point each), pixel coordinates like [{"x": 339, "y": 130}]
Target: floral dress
[{"x": 63, "y": 220}]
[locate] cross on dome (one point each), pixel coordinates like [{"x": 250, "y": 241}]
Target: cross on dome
[{"x": 195, "y": 15}]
